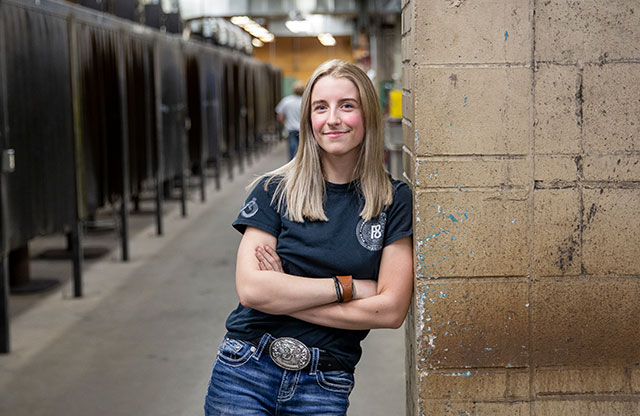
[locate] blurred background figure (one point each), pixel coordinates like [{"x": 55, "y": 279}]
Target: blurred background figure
[{"x": 288, "y": 113}]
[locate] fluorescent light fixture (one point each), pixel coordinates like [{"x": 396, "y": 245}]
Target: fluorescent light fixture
[
  {"x": 240, "y": 20},
  {"x": 269, "y": 37},
  {"x": 257, "y": 43},
  {"x": 298, "y": 26},
  {"x": 259, "y": 33},
  {"x": 327, "y": 39}
]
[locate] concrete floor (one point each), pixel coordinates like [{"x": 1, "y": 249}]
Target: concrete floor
[{"x": 143, "y": 338}]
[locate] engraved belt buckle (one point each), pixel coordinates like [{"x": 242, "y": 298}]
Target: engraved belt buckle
[{"x": 289, "y": 353}]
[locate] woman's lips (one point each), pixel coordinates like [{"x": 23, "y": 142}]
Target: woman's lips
[{"x": 334, "y": 134}]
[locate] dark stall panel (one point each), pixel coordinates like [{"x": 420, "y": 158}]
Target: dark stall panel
[
  {"x": 173, "y": 106},
  {"x": 229, "y": 109},
  {"x": 139, "y": 79},
  {"x": 212, "y": 73},
  {"x": 102, "y": 128},
  {"x": 39, "y": 116},
  {"x": 251, "y": 109},
  {"x": 241, "y": 114}
]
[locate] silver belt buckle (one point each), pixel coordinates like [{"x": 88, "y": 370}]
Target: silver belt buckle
[{"x": 289, "y": 353}]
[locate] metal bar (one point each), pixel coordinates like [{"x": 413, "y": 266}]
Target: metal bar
[
  {"x": 75, "y": 240},
  {"x": 5, "y": 335},
  {"x": 5, "y": 341},
  {"x": 204, "y": 129},
  {"x": 75, "y": 236},
  {"x": 124, "y": 202},
  {"x": 157, "y": 79}
]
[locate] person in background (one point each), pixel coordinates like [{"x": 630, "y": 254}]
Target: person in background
[
  {"x": 326, "y": 255},
  {"x": 288, "y": 113}
]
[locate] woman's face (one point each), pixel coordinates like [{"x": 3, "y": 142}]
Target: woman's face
[{"x": 336, "y": 116}]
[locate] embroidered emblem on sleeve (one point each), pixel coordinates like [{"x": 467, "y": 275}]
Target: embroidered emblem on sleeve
[
  {"x": 249, "y": 209},
  {"x": 371, "y": 233}
]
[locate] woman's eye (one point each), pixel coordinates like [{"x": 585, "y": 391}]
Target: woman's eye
[{"x": 319, "y": 108}]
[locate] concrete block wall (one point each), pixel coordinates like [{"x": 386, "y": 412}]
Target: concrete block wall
[{"x": 522, "y": 144}]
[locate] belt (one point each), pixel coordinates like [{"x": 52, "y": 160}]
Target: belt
[{"x": 291, "y": 354}]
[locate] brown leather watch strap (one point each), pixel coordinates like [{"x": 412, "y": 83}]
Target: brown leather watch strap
[{"x": 347, "y": 287}]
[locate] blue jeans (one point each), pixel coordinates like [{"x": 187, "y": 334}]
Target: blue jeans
[
  {"x": 245, "y": 381},
  {"x": 293, "y": 138}
]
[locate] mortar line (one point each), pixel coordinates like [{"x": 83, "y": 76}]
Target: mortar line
[{"x": 532, "y": 171}]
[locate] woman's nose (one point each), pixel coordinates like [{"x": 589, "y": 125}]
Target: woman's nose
[{"x": 334, "y": 117}]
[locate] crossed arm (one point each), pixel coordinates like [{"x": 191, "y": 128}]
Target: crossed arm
[{"x": 261, "y": 284}]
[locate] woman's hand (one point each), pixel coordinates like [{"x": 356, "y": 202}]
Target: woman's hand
[{"x": 268, "y": 259}]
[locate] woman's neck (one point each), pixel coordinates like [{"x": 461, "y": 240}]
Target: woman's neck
[{"x": 338, "y": 170}]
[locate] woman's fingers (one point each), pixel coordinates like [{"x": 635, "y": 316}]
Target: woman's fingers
[
  {"x": 273, "y": 258},
  {"x": 269, "y": 259}
]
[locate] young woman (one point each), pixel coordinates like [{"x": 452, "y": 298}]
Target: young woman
[{"x": 326, "y": 255}]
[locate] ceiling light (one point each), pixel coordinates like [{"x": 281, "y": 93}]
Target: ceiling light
[
  {"x": 240, "y": 20},
  {"x": 298, "y": 26},
  {"x": 269, "y": 37},
  {"x": 327, "y": 39},
  {"x": 259, "y": 32}
]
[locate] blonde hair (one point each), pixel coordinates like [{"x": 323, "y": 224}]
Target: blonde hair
[{"x": 300, "y": 183}]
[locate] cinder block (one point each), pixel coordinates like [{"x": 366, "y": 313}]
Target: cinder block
[
  {"x": 635, "y": 380},
  {"x": 407, "y": 77},
  {"x": 549, "y": 381},
  {"x": 460, "y": 31},
  {"x": 407, "y": 17},
  {"x": 587, "y": 31},
  {"x": 551, "y": 171},
  {"x": 585, "y": 322},
  {"x": 408, "y": 106},
  {"x": 428, "y": 407},
  {"x": 557, "y": 129},
  {"x": 611, "y": 107},
  {"x": 518, "y": 384},
  {"x": 612, "y": 168},
  {"x": 409, "y": 135},
  {"x": 611, "y": 230},
  {"x": 587, "y": 408},
  {"x": 463, "y": 384},
  {"x": 557, "y": 232},
  {"x": 468, "y": 172},
  {"x": 408, "y": 166},
  {"x": 472, "y": 233},
  {"x": 473, "y": 111},
  {"x": 472, "y": 323},
  {"x": 407, "y": 45}
]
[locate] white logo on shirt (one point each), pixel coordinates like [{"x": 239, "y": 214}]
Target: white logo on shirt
[
  {"x": 370, "y": 233},
  {"x": 249, "y": 209}
]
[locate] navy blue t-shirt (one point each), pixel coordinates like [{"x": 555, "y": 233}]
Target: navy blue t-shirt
[{"x": 344, "y": 245}]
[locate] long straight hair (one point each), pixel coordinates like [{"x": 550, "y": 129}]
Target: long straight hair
[{"x": 301, "y": 185}]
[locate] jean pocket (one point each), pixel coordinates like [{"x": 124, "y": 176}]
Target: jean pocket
[
  {"x": 235, "y": 353},
  {"x": 335, "y": 381}
]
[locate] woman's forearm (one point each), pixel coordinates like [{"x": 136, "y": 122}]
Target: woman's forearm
[
  {"x": 375, "y": 312},
  {"x": 281, "y": 294}
]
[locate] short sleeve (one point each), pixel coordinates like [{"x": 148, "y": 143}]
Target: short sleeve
[
  {"x": 399, "y": 214},
  {"x": 258, "y": 211},
  {"x": 280, "y": 106}
]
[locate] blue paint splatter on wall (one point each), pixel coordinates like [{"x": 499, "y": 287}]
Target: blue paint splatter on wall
[
  {"x": 453, "y": 218},
  {"x": 506, "y": 35}
]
